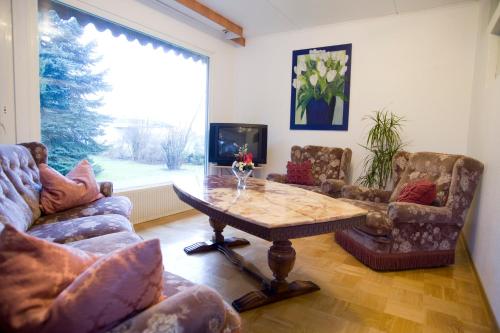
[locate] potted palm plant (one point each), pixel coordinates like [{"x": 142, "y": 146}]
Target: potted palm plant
[
  {"x": 382, "y": 142},
  {"x": 320, "y": 79}
]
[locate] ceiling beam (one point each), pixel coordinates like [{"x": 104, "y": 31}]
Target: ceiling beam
[{"x": 215, "y": 17}]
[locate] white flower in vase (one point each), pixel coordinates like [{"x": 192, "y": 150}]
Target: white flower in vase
[
  {"x": 330, "y": 76},
  {"x": 297, "y": 70},
  {"x": 313, "y": 79},
  {"x": 321, "y": 68}
]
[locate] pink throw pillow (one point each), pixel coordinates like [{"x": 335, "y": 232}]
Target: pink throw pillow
[
  {"x": 114, "y": 287},
  {"x": 59, "y": 193},
  {"x": 47, "y": 287},
  {"x": 32, "y": 273}
]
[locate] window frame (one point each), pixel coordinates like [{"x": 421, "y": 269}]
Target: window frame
[{"x": 26, "y": 52}]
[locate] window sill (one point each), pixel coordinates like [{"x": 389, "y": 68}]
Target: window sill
[{"x": 142, "y": 188}]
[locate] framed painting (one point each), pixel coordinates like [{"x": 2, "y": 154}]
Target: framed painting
[{"x": 321, "y": 79}]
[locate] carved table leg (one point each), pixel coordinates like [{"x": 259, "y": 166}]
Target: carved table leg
[
  {"x": 218, "y": 240},
  {"x": 281, "y": 258}
]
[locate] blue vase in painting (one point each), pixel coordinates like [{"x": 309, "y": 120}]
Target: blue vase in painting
[{"x": 319, "y": 112}]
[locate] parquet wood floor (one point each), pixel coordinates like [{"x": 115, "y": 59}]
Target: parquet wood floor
[{"x": 352, "y": 298}]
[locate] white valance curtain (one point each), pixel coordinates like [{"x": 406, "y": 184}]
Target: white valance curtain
[{"x": 67, "y": 12}]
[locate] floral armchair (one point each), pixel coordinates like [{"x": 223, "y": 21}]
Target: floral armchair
[
  {"x": 400, "y": 235},
  {"x": 330, "y": 168}
]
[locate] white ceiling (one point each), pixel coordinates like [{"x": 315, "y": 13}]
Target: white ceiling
[{"x": 260, "y": 17}]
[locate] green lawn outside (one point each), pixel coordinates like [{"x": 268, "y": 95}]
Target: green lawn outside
[{"x": 126, "y": 174}]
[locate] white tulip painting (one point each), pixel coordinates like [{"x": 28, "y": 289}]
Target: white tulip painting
[
  {"x": 320, "y": 66},
  {"x": 330, "y": 76},
  {"x": 313, "y": 79},
  {"x": 321, "y": 87}
]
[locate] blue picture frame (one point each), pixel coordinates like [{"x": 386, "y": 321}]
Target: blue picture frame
[{"x": 332, "y": 82}]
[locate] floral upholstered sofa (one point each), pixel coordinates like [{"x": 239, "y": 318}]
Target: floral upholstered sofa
[
  {"x": 101, "y": 227},
  {"x": 330, "y": 168},
  {"x": 401, "y": 235}
]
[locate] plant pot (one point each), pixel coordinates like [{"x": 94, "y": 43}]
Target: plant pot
[
  {"x": 242, "y": 177},
  {"x": 318, "y": 112}
]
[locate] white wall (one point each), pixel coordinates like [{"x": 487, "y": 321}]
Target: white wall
[
  {"x": 7, "y": 115},
  {"x": 483, "y": 234},
  {"x": 419, "y": 65},
  {"x": 141, "y": 15}
]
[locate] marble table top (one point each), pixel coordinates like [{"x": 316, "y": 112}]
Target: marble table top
[{"x": 267, "y": 204}]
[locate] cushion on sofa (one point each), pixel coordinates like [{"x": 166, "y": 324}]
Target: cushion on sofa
[
  {"x": 421, "y": 192},
  {"x": 105, "y": 244},
  {"x": 32, "y": 273},
  {"x": 60, "y": 193},
  {"x": 299, "y": 173},
  {"x": 110, "y": 205},
  {"x": 326, "y": 161},
  {"x": 437, "y": 168},
  {"x": 81, "y": 228},
  {"x": 116, "y": 286}
]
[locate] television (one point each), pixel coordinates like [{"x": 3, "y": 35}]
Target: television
[{"x": 226, "y": 138}]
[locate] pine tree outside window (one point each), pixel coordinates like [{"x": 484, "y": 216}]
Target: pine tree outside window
[{"x": 133, "y": 105}]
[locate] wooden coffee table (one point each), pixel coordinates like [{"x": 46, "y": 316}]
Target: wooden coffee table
[{"x": 274, "y": 212}]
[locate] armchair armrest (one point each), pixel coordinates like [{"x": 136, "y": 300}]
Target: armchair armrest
[
  {"x": 365, "y": 194},
  {"x": 332, "y": 186},
  {"x": 106, "y": 188},
  {"x": 277, "y": 177},
  {"x": 195, "y": 309},
  {"x": 405, "y": 212}
]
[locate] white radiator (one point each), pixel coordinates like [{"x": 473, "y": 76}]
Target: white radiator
[{"x": 150, "y": 203}]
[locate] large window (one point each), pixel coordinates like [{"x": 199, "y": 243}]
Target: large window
[{"x": 131, "y": 104}]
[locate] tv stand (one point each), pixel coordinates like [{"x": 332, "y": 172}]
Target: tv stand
[{"x": 225, "y": 170}]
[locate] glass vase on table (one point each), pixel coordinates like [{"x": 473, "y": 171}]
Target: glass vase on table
[
  {"x": 241, "y": 175},
  {"x": 243, "y": 166}
]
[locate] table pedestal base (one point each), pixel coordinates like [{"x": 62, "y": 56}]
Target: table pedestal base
[
  {"x": 201, "y": 247},
  {"x": 217, "y": 240},
  {"x": 281, "y": 258},
  {"x": 255, "y": 299}
]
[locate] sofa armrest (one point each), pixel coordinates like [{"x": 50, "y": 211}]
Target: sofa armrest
[
  {"x": 195, "y": 309},
  {"x": 405, "y": 212},
  {"x": 332, "y": 186},
  {"x": 38, "y": 151},
  {"x": 365, "y": 194},
  {"x": 277, "y": 177},
  {"x": 106, "y": 188}
]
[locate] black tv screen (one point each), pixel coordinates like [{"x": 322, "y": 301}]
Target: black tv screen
[{"x": 227, "y": 138}]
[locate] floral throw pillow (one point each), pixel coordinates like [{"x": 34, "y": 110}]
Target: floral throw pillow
[{"x": 299, "y": 173}]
